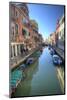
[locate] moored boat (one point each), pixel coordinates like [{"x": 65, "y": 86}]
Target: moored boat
[
  {"x": 29, "y": 61},
  {"x": 16, "y": 77},
  {"x": 57, "y": 60},
  {"x": 23, "y": 66},
  {"x": 52, "y": 52}
]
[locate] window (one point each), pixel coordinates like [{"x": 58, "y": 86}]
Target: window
[
  {"x": 24, "y": 20},
  {"x": 14, "y": 50},
  {"x": 59, "y": 35},
  {"x": 32, "y": 37},
  {"x": 18, "y": 49},
  {"x": 11, "y": 51},
  {"x": 29, "y": 33},
  {"x": 21, "y": 48},
  {"x": 16, "y": 29},
  {"x": 16, "y": 14},
  {"x": 13, "y": 30},
  {"x": 12, "y": 12},
  {"x": 23, "y": 32}
]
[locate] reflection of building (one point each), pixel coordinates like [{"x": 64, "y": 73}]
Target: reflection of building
[{"x": 26, "y": 86}]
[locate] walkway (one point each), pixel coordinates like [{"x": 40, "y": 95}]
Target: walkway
[
  {"x": 59, "y": 51},
  {"x": 19, "y": 59}
]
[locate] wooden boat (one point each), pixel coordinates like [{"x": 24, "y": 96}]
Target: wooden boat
[
  {"x": 23, "y": 66},
  {"x": 16, "y": 77},
  {"x": 30, "y": 61},
  {"x": 57, "y": 60}
]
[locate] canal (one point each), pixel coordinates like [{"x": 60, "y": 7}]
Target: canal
[{"x": 41, "y": 78}]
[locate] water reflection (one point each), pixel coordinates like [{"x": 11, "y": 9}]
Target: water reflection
[
  {"x": 45, "y": 81},
  {"x": 41, "y": 78},
  {"x": 60, "y": 75},
  {"x": 24, "y": 87}
]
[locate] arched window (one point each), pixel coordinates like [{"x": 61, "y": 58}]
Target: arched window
[
  {"x": 13, "y": 30},
  {"x": 16, "y": 27},
  {"x": 11, "y": 51},
  {"x": 14, "y": 50}
]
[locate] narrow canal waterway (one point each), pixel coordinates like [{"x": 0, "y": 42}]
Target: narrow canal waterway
[{"x": 41, "y": 78}]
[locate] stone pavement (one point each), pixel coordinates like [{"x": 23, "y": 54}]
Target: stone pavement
[
  {"x": 61, "y": 47},
  {"x": 19, "y": 59},
  {"x": 59, "y": 51}
]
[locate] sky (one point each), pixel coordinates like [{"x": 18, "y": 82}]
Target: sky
[{"x": 46, "y": 17}]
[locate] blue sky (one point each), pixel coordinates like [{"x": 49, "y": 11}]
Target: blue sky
[{"x": 46, "y": 17}]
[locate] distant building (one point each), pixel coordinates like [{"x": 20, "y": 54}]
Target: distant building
[
  {"x": 34, "y": 27},
  {"x": 52, "y": 38}
]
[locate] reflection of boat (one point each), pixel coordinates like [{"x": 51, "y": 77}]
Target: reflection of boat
[
  {"x": 57, "y": 60},
  {"x": 30, "y": 61},
  {"x": 52, "y": 52},
  {"x": 23, "y": 66},
  {"x": 49, "y": 48},
  {"x": 38, "y": 54},
  {"x": 16, "y": 77}
]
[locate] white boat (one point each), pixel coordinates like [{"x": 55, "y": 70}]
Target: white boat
[{"x": 57, "y": 60}]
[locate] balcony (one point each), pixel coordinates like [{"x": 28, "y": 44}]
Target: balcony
[
  {"x": 25, "y": 33},
  {"x": 24, "y": 8},
  {"x": 14, "y": 15},
  {"x": 27, "y": 25}
]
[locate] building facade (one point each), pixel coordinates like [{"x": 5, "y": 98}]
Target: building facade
[
  {"x": 57, "y": 38},
  {"x": 52, "y": 39},
  {"x": 19, "y": 26},
  {"x": 24, "y": 33},
  {"x": 60, "y": 33},
  {"x": 34, "y": 27}
]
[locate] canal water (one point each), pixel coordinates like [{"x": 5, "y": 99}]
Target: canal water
[{"x": 41, "y": 78}]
